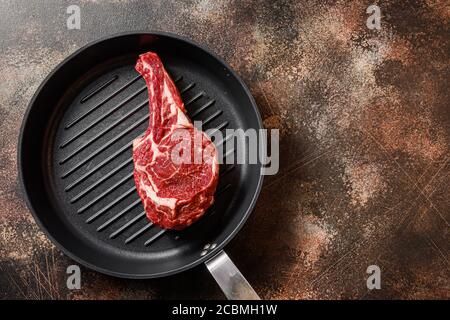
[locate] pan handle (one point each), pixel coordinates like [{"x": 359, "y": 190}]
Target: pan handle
[{"x": 229, "y": 278}]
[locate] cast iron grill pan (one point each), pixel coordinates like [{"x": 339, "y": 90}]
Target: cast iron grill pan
[{"x": 75, "y": 156}]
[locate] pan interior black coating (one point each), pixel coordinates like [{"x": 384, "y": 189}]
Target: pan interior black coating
[{"x": 75, "y": 156}]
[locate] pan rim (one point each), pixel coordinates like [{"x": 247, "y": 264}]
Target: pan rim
[{"x": 22, "y": 179}]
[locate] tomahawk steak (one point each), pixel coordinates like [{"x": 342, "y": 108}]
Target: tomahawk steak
[{"x": 175, "y": 165}]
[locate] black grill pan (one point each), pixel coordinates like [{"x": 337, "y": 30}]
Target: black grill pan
[{"x": 75, "y": 156}]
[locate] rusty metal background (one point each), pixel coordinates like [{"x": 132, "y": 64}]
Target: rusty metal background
[{"x": 364, "y": 117}]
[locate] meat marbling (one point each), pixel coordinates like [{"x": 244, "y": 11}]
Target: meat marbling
[{"x": 174, "y": 193}]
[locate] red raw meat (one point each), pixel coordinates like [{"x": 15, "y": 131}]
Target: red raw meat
[{"x": 174, "y": 193}]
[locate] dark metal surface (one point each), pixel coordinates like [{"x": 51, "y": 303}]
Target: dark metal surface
[
  {"x": 365, "y": 131},
  {"x": 75, "y": 155}
]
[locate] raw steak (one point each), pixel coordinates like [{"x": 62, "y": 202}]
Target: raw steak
[{"x": 175, "y": 192}]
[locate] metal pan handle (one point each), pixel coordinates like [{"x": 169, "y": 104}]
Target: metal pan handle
[{"x": 229, "y": 278}]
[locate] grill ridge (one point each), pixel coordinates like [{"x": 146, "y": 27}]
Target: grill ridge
[
  {"x": 97, "y": 90},
  {"x": 120, "y": 214},
  {"x": 135, "y": 235},
  {"x": 195, "y": 98},
  {"x": 187, "y": 88},
  {"x": 127, "y": 225},
  {"x": 109, "y": 206},
  {"x": 224, "y": 140},
  {"x": 155, "y": 237},
  {"x": 212, "y": 117},
  {"x": 203, "y": 108},
  {"x": 219, "y": 127}
]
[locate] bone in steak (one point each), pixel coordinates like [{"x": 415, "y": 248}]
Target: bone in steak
[{"x": 175, "y": 192}]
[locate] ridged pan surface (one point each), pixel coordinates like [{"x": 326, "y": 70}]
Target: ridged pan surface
[{"x": 80, "y": 127}]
